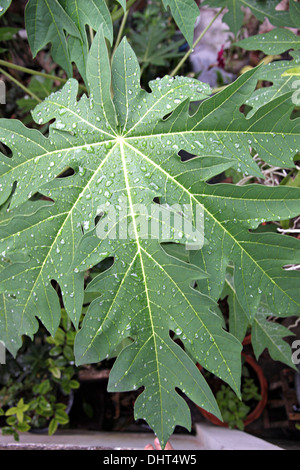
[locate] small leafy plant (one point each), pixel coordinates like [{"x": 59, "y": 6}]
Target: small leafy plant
[
  {"x": 36, "y": 389},
  {"x": 234, "y": 410},
  {"x": 117, "y": 160}
]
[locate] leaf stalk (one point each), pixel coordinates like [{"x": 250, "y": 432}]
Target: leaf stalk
[
  {"x": 189, "y": 52},
  {"x": 10, "y": 65},
  {"x": 20, "y": 85}
]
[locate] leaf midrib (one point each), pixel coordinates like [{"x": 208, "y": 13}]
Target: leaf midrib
[{"x": 143, "y": 270}]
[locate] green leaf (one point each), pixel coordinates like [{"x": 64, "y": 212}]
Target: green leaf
[
  {"x": 265, "y": 332},
  {"x": 185, "y": 13},
  {"x": 55, "y": 371},
  {"x": 18, "y": 410},
  {"x": 6, "y": 431},
  {"x": 294, "y": 10},
  {"x": 238, "y": 318},
  {"x": 93, "y": 13},
  {"x": 11, "y": 411},
  {"x": 61, "y": 417},
  {"x": 12, "y": 421},
  {"x": 152, "y": 46},
  {"x": 53, "y": 425},
  {"x": 22, "y": 427},
  {"x": 274, "y": 42},
  {"x": 122, "y": 3},
  {"x": 7, "y": 33},
  {"x": 41, "y": 88},
  {"x": 74, "y": 384},
  {"x": 44, "y": 407},
  {"x": 4, "y": 5},
  {"x": 269, "y": 334},
  {"x": 260, "y": 8},
  {"x": 44, "y": 387},
  {"x": 55, "y": 351},
  {"x": 281, "y": 83},
  {"x": 59, "y": 337},
  {"x": 68, "y": 353},
  {"x": 124, "y": 156},
  {"x": 47, "y": 22},
  {"x": 35, "y": 294},
  {"x": 292, "y": 72}
]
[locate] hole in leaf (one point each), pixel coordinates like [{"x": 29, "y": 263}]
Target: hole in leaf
[
  {"x": 186, "y": 156},
  {"x": 105, "y": 264},
  {"x": 157, "y": 200},
  {"x": 57, "y": 288},
  {"x": 166, "y": 116},
  {"x": 66, "y": 172},
  {"x": 5, "y": 150}
]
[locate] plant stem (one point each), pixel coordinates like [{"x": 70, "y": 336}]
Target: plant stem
[
  {"x": 115, "y": 16},
  {"x": 4, "y": 63},
  {"x": 20, "y": 85},
  {"x": 120, "y": 33},
  {"x": 187, "y": 55}
]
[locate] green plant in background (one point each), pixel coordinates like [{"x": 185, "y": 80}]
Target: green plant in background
[
  {"x": 36, "y": 389},
  {"x": 112, "y": 144},
  {"x": 153, "y": 38},
  {"x": 234, "y": 410}
]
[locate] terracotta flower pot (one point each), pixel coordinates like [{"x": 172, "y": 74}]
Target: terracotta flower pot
[{"x": 257, "y": 411}]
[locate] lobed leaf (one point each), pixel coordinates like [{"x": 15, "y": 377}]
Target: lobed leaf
[
  {"x": 266, "y": 332},
  {"x": 123, "y": 154},
  {"x": 185, "y": 13},
  {"x": 274, "y": 73},
  {"x": 96, "y": 15},
  {"x": 46, "y": 22},
  {"x": 274, "y": 42}
]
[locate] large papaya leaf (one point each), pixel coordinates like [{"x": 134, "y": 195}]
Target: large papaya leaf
[{"x": 124, "y": 153}]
